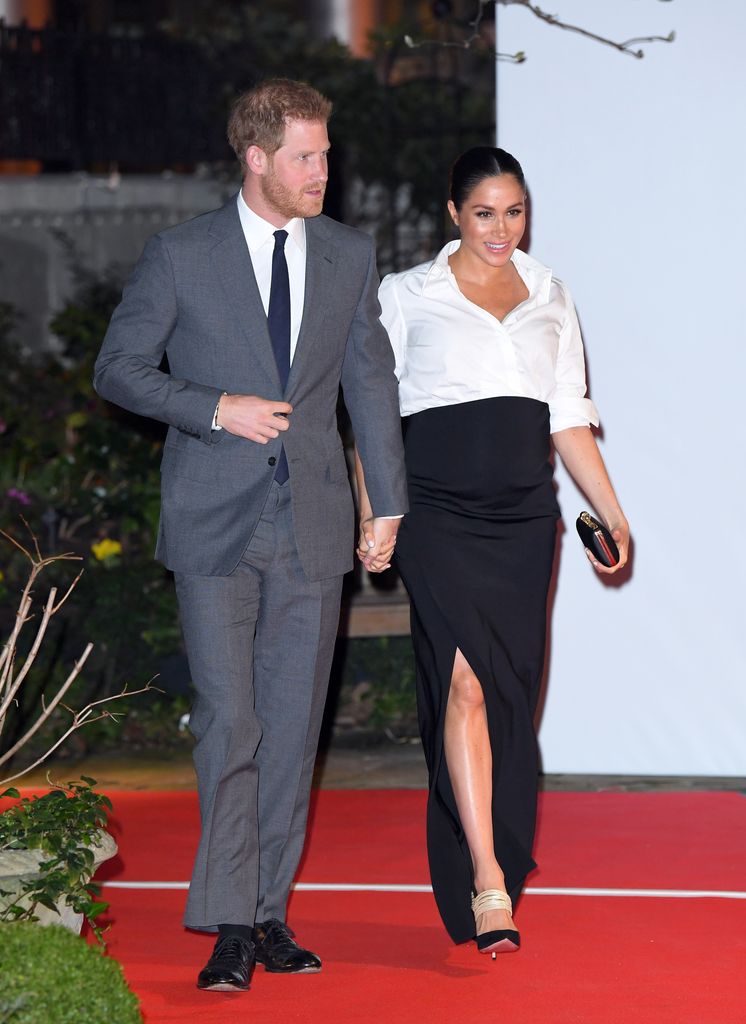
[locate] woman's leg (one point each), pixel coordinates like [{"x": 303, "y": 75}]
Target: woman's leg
[{"x": 469, "y": 758}]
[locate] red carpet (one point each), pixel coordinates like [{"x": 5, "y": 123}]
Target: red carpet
[{"x": 585, "y": 959}]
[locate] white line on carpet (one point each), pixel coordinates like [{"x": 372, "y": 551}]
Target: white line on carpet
[{"x": 677, "y": 894}]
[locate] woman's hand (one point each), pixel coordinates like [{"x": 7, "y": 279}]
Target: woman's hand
[
  {"x": 619, "y": 530},
  {"x": 578, "y": 450},
  {"x": 376, "y": 542}
]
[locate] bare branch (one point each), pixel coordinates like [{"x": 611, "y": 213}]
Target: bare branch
[
  {"x": 30, "y": 657},
  {"x": 623, "y": 47},
  {"x": 9, "y": 646},
  {"x": 627, "y": 46},
  {"x": 18, "y": 545},
  {"x": 513, "y": 58},
  {"x": 10, "y": 685},
  {"x": 44, "y": 716},
  {"x": 80, "y": 719},
  {"x": 70, "y": 589}
]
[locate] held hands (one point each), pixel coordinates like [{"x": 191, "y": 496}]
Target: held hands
[
  {"x": 376, "y": 542},
  {"x": 619, "y": 529},
  {"x": 256, "y": 419}
]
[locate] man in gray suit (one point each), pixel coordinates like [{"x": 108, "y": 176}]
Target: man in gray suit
[{"x": 262, "y": 308}]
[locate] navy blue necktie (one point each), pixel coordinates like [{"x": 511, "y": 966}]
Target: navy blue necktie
[{"x": 278, "y": 320}]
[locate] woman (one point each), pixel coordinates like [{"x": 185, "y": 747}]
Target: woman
[{"x": 490, "y": 364}]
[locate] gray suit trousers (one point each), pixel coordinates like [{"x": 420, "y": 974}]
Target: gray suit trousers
[{"x": 260, "y": 644}]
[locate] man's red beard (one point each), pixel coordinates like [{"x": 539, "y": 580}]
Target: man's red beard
[{"x": 289, "y": 203}]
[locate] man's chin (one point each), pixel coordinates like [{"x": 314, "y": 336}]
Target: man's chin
[{"x": 312, "y": 207}]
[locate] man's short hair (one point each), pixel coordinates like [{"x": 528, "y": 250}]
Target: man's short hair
[{"x": 259, "y": 116}]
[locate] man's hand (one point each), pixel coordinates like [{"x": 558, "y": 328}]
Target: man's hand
[
  {"x": 256, "y": 419},
  {"x": 376, "y": 542}
]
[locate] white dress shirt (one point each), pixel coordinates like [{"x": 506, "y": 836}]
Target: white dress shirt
[
  {"x": 260, "y": 239},
  {"x": 449, "y": 350}
]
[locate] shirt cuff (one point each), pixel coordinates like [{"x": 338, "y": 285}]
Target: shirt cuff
[
  {"x": 215, "y": 415},
  {"x": 571, "y": 412},
  {"x": 401, "y": 516}
]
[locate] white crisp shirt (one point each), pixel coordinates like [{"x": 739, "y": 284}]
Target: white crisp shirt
[
  {"x": 450, "y": 350},
  {"x": 260, "y": 239}
]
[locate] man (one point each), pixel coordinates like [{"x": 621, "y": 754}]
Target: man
[{"x": 262, "y": 308}]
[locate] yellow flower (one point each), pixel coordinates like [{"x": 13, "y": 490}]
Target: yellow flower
[{"x": 106, "y": 548}]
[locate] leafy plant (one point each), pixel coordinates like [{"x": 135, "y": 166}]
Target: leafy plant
[
  {"x": 65, "y": 824},
  {"x": 50, "y": 975}
]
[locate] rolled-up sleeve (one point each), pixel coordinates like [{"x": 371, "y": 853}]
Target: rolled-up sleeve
[
  {"x": 393, "y": 321},
  {"x": 568, "y": 406}
]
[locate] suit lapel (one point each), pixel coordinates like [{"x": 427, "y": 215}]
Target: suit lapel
[
  {"x": 232, "y": 264},
  {"x": 321, "y": 258}
]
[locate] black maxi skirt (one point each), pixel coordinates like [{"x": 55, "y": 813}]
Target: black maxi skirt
[{"x": 475, "y": 552}]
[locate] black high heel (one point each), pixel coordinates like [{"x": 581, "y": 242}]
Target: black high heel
[{"x": 502, "y": 940}]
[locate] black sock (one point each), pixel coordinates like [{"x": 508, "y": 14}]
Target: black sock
[{"x": 244, "y": 930}]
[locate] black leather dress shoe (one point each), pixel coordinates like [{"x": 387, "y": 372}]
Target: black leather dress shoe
[
  {"x": 229, "y": 967},
  {"x": 278, "y": 951}
]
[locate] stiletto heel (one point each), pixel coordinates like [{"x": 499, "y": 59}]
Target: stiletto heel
[{"x": 503, "y": 940}]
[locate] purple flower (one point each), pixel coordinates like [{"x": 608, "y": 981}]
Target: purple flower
[{"x": 20, "y": 496}]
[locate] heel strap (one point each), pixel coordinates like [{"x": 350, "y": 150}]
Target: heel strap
[{"x": 491, "y": 899}]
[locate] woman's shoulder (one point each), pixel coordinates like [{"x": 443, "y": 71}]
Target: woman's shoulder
[{"x": 411, "y": 276}]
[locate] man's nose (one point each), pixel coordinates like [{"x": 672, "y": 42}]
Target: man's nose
[{"x": 319, "y": 169}]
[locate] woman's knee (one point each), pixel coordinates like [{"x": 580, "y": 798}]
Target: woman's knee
[{"x": 466, "y": 690}]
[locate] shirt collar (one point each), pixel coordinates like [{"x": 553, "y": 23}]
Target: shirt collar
[
  {"x": 536, "y": 276},
  {"x": 259, "y": 231}
]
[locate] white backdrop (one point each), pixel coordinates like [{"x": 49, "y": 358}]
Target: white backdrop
[{"x": 637, "y": 173}]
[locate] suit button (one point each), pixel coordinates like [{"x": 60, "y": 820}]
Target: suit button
[{"x": 272, "y": 461}]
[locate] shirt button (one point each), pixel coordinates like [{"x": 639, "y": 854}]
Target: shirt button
[{"x": 271, "y": 461}]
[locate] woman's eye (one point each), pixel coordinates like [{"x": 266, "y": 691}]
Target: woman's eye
[
  {"x": 515, "y": 213},
  {"x": 483, "y": 214}
]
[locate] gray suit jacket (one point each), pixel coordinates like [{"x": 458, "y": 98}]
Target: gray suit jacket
[{"x": 193, "y": 295}]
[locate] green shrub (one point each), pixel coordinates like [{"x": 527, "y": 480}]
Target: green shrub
[
  {"x": 50, "y": 976},
  {"x": 64, "y": 824}
]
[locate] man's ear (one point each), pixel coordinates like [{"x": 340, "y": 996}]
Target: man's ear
[{"x": 256, "y": 160}]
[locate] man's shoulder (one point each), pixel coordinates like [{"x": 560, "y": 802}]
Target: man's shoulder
[
  {"x": 339, "y": 233},
  {"x": 200, "y": 228}
]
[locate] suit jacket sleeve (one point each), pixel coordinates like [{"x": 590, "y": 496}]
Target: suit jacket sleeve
[
  {"x": 127, "y": 369},
  {"x": 371, "y": 396}
]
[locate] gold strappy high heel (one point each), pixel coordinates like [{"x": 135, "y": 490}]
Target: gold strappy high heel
[{"x": 504, "y": 940}]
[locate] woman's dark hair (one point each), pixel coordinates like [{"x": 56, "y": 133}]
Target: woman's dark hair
[{"x": 477, "y": 164}]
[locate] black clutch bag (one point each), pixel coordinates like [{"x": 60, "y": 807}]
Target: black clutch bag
[{"x": 597, "y": 539}]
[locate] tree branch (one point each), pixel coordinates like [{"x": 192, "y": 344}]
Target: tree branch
[
  {"x": 623, "y": 47},
  {"x": 80, "y": 718},
  {"x": 49, "y": 708},
  {"x": 14, "y": 685},
  {"x": 627, "y": 46}
]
